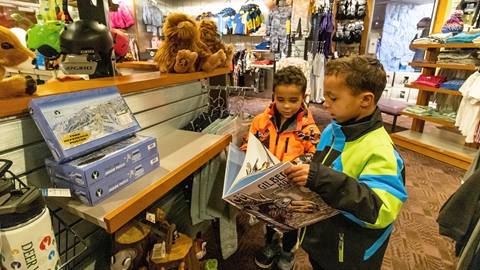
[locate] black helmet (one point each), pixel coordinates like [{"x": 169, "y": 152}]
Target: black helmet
[{"x": 86, "y": 37}]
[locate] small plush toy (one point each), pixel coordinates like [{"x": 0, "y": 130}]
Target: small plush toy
[
  {"x": 184, "y": 61},
  {"x": 181, "y": 32},
  {"x": 211, "y": 38},
  {"x": 12, "y": 53}
]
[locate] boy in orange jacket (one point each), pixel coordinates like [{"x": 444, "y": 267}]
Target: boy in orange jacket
[{"x": 288, "y": 130}]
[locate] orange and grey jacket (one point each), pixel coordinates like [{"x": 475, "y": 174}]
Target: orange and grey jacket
[
  {"x": 356, "y": 170},
  {"x": 296, "y": 138}
]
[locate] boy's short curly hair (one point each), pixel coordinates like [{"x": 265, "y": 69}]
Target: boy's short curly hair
[
  {"x": 361, "y": 73},
  {"x": 290, "y": 75}
]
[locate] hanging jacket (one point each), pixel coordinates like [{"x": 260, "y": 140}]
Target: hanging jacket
[
  {"x": 296, "y": 138},
  {"x": 356, "y": 170},
  {"x": 122, "y": 18},
  {"x": 461, "y": 212},
  {"x": 152, "y": 15},
  {"x": 278, "y": 21}
]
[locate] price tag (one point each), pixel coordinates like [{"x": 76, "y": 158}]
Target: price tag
[{"x": 56, "y": 192}]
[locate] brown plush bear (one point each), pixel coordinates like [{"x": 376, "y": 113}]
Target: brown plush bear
[
  {"x": 211, "y": 38},
  {"x": 13, "y": 53},
  {"x": 185, "y": 61},
  {"x": 181, "y": 33}
]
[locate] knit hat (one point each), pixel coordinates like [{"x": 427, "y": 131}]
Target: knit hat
[{"x": 454, "y": 24}]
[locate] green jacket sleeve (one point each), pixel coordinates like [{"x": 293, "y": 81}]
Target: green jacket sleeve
[{"x": 374, "y": 199}]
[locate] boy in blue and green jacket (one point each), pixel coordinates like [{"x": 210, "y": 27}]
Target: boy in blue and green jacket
[{"x": 356, "y": 170}]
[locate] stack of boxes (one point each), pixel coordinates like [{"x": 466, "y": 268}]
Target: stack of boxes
[{"x": 91, "y": 135}]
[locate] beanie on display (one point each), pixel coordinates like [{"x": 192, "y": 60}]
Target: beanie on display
[{"x": 454, "y": 24}]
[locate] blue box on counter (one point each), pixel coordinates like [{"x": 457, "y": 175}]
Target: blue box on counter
[
  {"x": 94, "y": 167},
  {"x": 78, "y": 123},
  {"x": 99, "y": 191}
]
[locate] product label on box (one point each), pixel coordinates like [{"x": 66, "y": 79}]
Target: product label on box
[
  {"x": 75, "y": 138},
  {"x": 56, "y": 192},
  {"x": 153, "y": 161},
  {"x": 88, "y": 118},
  {"x": 151, "y": 146},
  {"x": 139, "y": 171}
]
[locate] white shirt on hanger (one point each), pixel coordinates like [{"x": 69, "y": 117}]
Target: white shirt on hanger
[{"x": 468, "y": 115}]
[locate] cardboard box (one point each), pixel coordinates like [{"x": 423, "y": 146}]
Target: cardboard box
[
  {"x": 99, "y": 191},
  {"x": 78, "y": 123},
  {"x": 95, "y": 167}
]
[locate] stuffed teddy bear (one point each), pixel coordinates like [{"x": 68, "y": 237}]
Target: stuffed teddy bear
[
  {"x": 211, "y": 38},
  {"x": 183, "y": 61},
  {"x": 13, "y": 53},
  {"x": 181, "y": 33}
]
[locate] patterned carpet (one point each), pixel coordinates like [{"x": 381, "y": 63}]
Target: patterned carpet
[{"x": 415, "y": 243}]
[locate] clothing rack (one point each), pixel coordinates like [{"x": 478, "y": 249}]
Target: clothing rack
[
  {"x": 219, "y": 106},
  {"x": 219, "y": 98},
  {"x": 313, "y": 46}
]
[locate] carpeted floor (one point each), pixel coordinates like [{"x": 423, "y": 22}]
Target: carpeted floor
[{"x": 415, "y": 243}]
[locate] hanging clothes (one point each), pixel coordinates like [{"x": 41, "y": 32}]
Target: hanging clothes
[
  {"x": 207, "y": 185},
  {"x": 248, "y": 20},
  {"x": 278, "y": 28},
  {"x": 133, "y": 47},
  {"x": 225, "y": 21},
  {"x": 468, "y": 115},
  {"x": 239, "y": 67},
  {"x": 321, "y": 34},
  {"x": 122, "y": 18},
  {"x": 470, "y": 251},
  {"x": 152, "y": 17},
  {"x": 459, "y": 216},
  {"x": 327, "y": 28},
  {"x": 304, "y": 66},
  {"x": 318, "y": 74},
  {"x": 300, "y": 16}
]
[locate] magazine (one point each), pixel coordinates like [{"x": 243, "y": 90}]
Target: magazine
[{"x": 255, "y": 182}]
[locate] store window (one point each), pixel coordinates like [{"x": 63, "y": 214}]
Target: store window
[{"x": 394, "y": 25}]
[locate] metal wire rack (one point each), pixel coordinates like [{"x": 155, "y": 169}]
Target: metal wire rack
[{"x": 70, "y": 252}]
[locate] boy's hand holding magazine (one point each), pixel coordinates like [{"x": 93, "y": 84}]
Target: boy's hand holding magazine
[{"x": 266, "y": 192}]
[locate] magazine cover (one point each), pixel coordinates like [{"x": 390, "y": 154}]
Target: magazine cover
[{"x": 255, "y": 182}]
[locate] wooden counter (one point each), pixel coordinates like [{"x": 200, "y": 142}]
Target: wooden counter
[
  {"x": 143, "y": 65},
  {"x": 125, "y": 84},
  {"x": 181, "y": 154}
]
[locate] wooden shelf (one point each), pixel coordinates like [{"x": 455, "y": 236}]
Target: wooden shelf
[
  {"x": 126, "y": 84},
  {"x": 435, "y": 120},
  {"x": 443, "y": 65},
  {"x": 181, "y": 154},
  {"x": 433, "y": 89},
  {"x": 443, "y": 145},
  {"x": 440, "y": 144},
  {"x": 447, "y": 45},
  {"x": 143, "y": 65}
]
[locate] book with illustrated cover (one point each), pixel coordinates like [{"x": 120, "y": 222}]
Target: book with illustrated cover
[{"x": 255, "y": 182}]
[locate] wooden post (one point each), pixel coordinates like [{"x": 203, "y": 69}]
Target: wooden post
[{"x": 424, "y": 96}]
